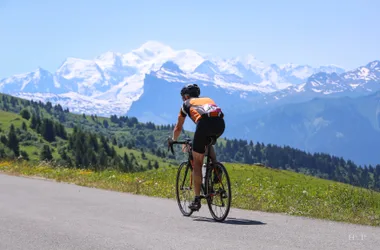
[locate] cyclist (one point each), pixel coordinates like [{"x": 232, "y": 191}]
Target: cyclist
[{"x": 209, "y": 121}]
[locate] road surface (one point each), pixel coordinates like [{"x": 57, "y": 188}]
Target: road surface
[{"x": 41, "y": 214}]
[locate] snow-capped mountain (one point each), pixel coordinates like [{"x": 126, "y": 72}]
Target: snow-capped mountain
[
  {"x": 111, "y": 82},
  {"x": 360, "y": 81},
  {"x": 364, "y": 79},
  {"x": 36, "y": 81}
]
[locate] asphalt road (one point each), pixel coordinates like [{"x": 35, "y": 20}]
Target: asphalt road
[{"x": 40, "y": 214}]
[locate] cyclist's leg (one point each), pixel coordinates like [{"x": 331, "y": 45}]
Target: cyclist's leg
[
  {"x": 197, "y": 172},
  {"x": 217, "y": 129},
  {"x": 212, "y": 154},
  {"x": 199, "y": 142}
]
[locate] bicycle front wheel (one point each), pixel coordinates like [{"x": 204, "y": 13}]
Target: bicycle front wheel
[
  {"x": 218, "y": 191},
  {"x": 184, "y": 188}
]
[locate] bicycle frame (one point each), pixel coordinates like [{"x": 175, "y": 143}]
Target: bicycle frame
[{"x": 188, "y": 142}]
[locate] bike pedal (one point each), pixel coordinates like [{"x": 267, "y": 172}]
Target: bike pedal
[{"x": 195, "y": 210}]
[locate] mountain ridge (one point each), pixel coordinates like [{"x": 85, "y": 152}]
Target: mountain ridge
[
  {"x": 345, "y": 126},
  {"x": 121, "y": 75}
]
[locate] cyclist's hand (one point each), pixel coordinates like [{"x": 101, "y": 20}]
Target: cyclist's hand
[{"x": 170, "y": 142}]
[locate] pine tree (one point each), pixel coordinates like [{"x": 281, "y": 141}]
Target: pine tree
[
  {"x": 364, "y": 177},
  {"x": 58, "y": 108},
  {"x": 79, "y": 153},
  {"x": 47, "y": 130},
  {"x": 93, "y": 141},
  {"x": 105, "y": 145},
  {"x": 126, "y": 166},
  {"x": 60, "y": 130},
  {"x": 45, "y": 153},
  {"x": 13, "y": 101},
  {"x": 25, "y": 114},
  {"x": 143, "y": 156},
  {"x": 149, "y": 166},
  {"x": 105, "y": 123},
  {"x": 24, "y": 155},
  {"x": 113, "y": 152},
  {"x": 6, "y": 106},
  {"x": 91, "y": 157},
  {"x": 156, "y": 166},
  {"x": 13, "y": 142},
  {"x": 33, "y": 122},
  {"x": 158, "y": 153},
  {"x": 48, "y": 107},
  {"x": 64, "y": 155},
  {"x": 24, "y": 127},
  {"x": 4, "y": 140},
  {"x": 102, "y": 158},
  {"x": 376, "y": 177}
]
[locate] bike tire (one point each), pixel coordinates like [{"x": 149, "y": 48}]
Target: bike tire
[
  {"x": 184, "y": 167},
  {"x": 210, "y": 190}
]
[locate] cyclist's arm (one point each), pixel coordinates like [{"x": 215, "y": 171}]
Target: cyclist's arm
[{"x": 178, "y": 127}]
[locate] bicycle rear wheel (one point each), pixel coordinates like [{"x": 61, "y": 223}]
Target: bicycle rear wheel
[
  {"x": 219, "y": 191},
  {"x": 184, "y": 188}
]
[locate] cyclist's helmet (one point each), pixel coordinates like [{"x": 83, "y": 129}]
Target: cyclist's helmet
[{"x": 191, "y": 89}]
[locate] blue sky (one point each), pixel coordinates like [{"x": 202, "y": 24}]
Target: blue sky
[{"x": 43, "y": 33}]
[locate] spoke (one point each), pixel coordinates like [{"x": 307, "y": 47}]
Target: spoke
[
  {"x": 184, "y": 192},
  {"x": 221, "y": 190}
]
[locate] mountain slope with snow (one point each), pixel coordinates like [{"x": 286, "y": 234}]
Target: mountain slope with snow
[
  {"x": 353, "y": 83},
  {"x": 111, "y": 82}
]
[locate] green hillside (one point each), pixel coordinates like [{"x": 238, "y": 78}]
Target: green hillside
[
  {"x": 46, "y": 131},
  {"x": 70, "y": 139}
]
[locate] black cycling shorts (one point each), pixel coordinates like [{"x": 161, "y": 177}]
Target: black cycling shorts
[{"x": 213, "y": 126}]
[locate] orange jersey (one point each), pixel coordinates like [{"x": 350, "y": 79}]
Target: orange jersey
[{"x": 196, "y": 108}]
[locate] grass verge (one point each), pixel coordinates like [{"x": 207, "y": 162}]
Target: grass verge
[{"x": 253, "y": 188}]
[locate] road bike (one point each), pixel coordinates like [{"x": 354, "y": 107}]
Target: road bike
[{"x": 212, "y": 190}]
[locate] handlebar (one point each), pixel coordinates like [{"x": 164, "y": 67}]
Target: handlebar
[{"x": 171, "y": 143}]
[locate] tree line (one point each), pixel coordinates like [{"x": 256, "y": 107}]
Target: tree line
[
  {"x": 83, "y": 150},
  {"x": 322, "y": 165}
]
